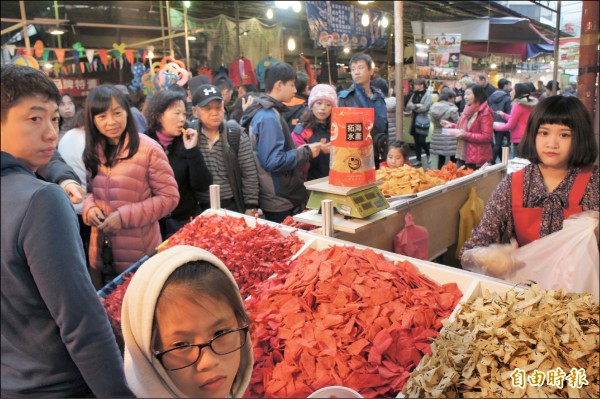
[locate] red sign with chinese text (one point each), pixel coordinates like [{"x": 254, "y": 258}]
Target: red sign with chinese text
[{"x": 77, "y": 87}]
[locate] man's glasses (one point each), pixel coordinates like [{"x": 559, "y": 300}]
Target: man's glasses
[{"x": 184, "y": 356}]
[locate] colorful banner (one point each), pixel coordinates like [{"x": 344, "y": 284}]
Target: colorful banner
[
  {"x": 338, "y": 25},
  {"x": 443, "y": 59},
  {"x": 76, "y": 87}
]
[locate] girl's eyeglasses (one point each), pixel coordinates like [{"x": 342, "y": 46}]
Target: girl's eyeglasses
[{"x": 184, "y": 356}]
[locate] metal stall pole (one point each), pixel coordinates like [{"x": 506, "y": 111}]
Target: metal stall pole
[
  {"x": 505, "y": 155},
  {"x": 588, "y": 59},
  {"x": 556, "y": 55},
  {"x": 215, "y": 196},
  {"x": 172, "y": 53},
  {"x": 56, "y": 16},
  {"x": 327, "y": 212},
  {"x": 236, "y": 8},
  {"x": 399, "y": 65},
  {"x": 187, "y": 42},
  {"x": 25, "y": 25},
  {"x": 162, "y": 30}
]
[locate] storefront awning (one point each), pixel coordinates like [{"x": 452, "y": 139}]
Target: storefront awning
[
  {"x": 522, "y": 50},
  {"x": 494, "y": 30}
]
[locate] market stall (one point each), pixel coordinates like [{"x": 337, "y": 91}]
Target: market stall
[
  {"x": 332, "y": 312},
  {"x": 428, "y": 208}
]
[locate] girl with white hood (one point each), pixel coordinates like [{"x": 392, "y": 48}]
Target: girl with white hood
[{"x": 185, "y": 328}]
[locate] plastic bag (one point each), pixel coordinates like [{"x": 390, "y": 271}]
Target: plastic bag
[
  {"x": 496, "y": 260},
  {"x": 412, "y": 240},
  {"x": 470, "y": 216},
  {"x": 565, "y": 259}
]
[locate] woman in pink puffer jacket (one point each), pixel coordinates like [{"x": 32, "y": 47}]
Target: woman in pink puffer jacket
[
  {"x": 131, "y": 183},
  {"x": 474, "y": 140},
  {"x": 516, "y": 121}
]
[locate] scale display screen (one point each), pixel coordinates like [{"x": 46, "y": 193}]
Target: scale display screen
[
  {"x": 348, "y": 201},
  {"x": 371, "y": 195},
  {"x": 366, "y": 206},
  {"x": 380, "y": 203}
]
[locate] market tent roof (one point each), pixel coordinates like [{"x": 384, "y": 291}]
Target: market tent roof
[
  {"x": 522, "y": 50},
  {"x": 494, "y": 30}
]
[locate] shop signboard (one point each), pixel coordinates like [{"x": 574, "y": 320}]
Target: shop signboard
[
  {"x": 443, "y": 57},
  {"x": 568, "y": 50},
  {"x": 77, "y": 87},
  {"x": 334, "y": 24}
]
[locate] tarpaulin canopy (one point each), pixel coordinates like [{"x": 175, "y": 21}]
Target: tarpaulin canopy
[
  {"x": 494, "y": 30},
  {"x": 522, "y": 50}
]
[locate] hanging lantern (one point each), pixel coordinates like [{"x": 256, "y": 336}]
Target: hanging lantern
[
  {"x": 365, "y": 19},
  {"x": 384, "y": 22},
  {"x": 291, "y": 44}
]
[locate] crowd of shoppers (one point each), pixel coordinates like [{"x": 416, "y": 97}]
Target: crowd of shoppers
[{"x": 127, "y": 180}]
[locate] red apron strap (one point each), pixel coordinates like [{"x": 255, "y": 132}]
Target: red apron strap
[
  {"x": 517, "y": 189},
  {"x": 578, "y": 189},
  {"x": 527, "y": 221}
]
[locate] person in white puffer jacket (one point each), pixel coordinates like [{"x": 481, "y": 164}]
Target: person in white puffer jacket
[{"x": 443, "y": 145}]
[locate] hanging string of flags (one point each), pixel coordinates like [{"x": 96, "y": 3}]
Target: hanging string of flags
[
  {"x": 158, "y": 76},
  {"x": 84, "y": 60}
]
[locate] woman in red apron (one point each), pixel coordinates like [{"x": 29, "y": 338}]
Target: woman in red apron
[{"x": 561, "y": 180}]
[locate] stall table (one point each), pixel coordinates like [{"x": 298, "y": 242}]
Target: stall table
[{"x": 437, "y": 209}]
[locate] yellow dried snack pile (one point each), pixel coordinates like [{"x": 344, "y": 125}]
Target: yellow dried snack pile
[
  {"x": 531, "y": 343},
  {"x": 405, "y": 180}
]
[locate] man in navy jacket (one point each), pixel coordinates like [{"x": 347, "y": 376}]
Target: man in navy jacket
[
  {"x": 363, "y": 95},
  {"x": 56, "y": 338}
]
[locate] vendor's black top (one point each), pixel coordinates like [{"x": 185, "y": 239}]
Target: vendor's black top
[
  {"x": 191, "y": 174},
  {"x": 319, "y": 166}
]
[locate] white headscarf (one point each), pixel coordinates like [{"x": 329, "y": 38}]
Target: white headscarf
[{"x": 145, "y": 375}]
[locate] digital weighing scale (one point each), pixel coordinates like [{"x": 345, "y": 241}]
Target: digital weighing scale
[{"x": 357, "y": 202}]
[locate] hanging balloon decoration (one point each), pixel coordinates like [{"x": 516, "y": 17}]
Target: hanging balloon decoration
[
  {"x": 164, "y": 74},
  {"x": 163, "y": 79},
  {"x": 179, "y": 71},
  {"x": 25, "y": 60},
  {"x": 138, "y": 71}
]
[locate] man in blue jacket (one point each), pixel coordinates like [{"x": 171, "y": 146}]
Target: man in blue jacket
[
  {"x": 282, "y": 192},
  {"x": 56, "y": 338},
  {"x": 363, "y": 95}
]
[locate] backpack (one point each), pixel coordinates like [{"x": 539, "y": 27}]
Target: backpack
[
  {"x": 292, "y": 116},
  {"x": 234, "y": 133},
  {"x": 291, "y": 182}
]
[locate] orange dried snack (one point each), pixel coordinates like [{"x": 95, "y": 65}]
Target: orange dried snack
[
  {"x": 450, "y": 172},
  {"x": 366, "y": 323}
]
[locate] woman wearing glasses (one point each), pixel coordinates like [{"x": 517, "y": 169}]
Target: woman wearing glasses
[{"x": 185, "y": 328}]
